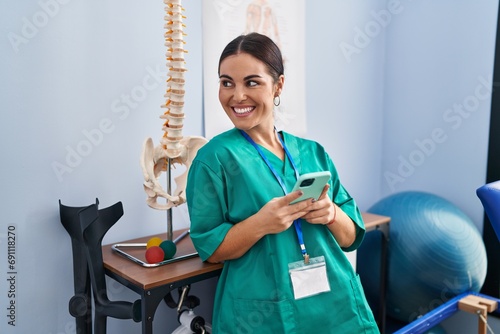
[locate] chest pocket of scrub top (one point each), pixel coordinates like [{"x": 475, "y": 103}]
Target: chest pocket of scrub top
[{"x": 264, "y": 317}]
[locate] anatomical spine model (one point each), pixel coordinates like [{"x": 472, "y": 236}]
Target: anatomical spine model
[{"x": 173, "y": 148}]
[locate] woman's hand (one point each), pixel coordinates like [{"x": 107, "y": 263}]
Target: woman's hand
[
  {"x": 278, "y": 214},
  {"x": 274, "y": 217},
  {"x": 321, "y": 211},
  {"x": 324, "y": 211}
]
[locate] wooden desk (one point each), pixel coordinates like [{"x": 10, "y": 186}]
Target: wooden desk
[
  {"x": 153, "y": 284},
  {"x": 375, "y": 222}
]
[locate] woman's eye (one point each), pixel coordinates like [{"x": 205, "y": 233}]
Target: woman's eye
[
  {"x": 226, "y": 83},
  {"x": 252, "y": 83}
]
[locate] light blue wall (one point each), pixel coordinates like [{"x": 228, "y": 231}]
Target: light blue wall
[
  {"x": 344, "y": 94},
  {"x": 81, "y": 68},
  {"x": 438, "y": 77}
]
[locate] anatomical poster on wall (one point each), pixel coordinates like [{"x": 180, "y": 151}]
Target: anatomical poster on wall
[{"x": 281, "y": 20}]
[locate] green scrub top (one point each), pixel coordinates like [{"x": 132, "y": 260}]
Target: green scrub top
[{"x": 228, "y": 182}]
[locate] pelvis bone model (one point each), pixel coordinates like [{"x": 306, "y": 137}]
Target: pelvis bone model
[{"x": 173, "y": 148}]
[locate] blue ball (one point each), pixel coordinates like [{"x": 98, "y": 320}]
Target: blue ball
[{"x": 435, "y": 253}]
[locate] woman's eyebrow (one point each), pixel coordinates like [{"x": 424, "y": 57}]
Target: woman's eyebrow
[{"x": 248, "y": 77}]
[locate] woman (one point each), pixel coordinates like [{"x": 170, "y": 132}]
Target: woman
[{"x": 285, "y": 270}]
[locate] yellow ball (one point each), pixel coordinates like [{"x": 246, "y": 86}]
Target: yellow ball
[{"x": 155, "y": 241}]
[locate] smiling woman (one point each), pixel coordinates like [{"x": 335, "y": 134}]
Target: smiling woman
[
  {"x": 242, "y": 214},
  {"x": 247, "y": 96},
  {"x": 249, "y": 82}
]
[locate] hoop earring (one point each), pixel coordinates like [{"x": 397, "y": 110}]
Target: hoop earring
[{"x": 277, "y": 103}]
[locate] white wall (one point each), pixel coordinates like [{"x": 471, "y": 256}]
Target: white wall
[
  {"x": 89, "y": 67},
  {"x": 436, "y": 103},
  {"x": 437, "y": 99},
  {"x": 344, "y": 92},
  {"x": 95, "y": 66}
]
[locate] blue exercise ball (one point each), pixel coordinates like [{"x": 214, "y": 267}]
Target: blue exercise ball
[{"x": 435, "y": 252}]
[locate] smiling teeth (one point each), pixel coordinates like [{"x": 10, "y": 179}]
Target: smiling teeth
[{"x": 242, "y": 110}]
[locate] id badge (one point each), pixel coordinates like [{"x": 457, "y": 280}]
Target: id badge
[{"x": 309, "y": 279}]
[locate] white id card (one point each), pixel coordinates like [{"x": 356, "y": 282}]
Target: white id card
[{"x": 309, "y": 279}]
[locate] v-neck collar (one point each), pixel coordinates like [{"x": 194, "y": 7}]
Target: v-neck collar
[{"x": 284, "y": 166}]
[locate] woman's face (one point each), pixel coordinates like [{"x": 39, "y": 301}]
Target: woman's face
[{"x": 247, "y": 91}]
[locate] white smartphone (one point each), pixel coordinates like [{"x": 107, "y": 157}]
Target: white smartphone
[{"x": 311, "y": 184}]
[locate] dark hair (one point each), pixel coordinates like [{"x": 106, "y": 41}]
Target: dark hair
[{"x": 259, "y": 46}]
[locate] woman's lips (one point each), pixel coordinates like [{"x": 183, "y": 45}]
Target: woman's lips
[{"x": 243, "y": 110}]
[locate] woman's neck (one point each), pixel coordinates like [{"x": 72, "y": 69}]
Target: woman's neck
[{"x": 269, "y": 140}]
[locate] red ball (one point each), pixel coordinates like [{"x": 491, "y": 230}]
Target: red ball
[{"x": 154, "y": 254}]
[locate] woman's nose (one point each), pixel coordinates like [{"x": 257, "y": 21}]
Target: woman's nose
[{"x": 240, "y": 93}]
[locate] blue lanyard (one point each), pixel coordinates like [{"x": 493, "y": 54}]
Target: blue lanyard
[{"x": 296, "y": 223}]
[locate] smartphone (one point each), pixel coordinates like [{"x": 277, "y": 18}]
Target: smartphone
[{"x": 311, "y": 184}]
